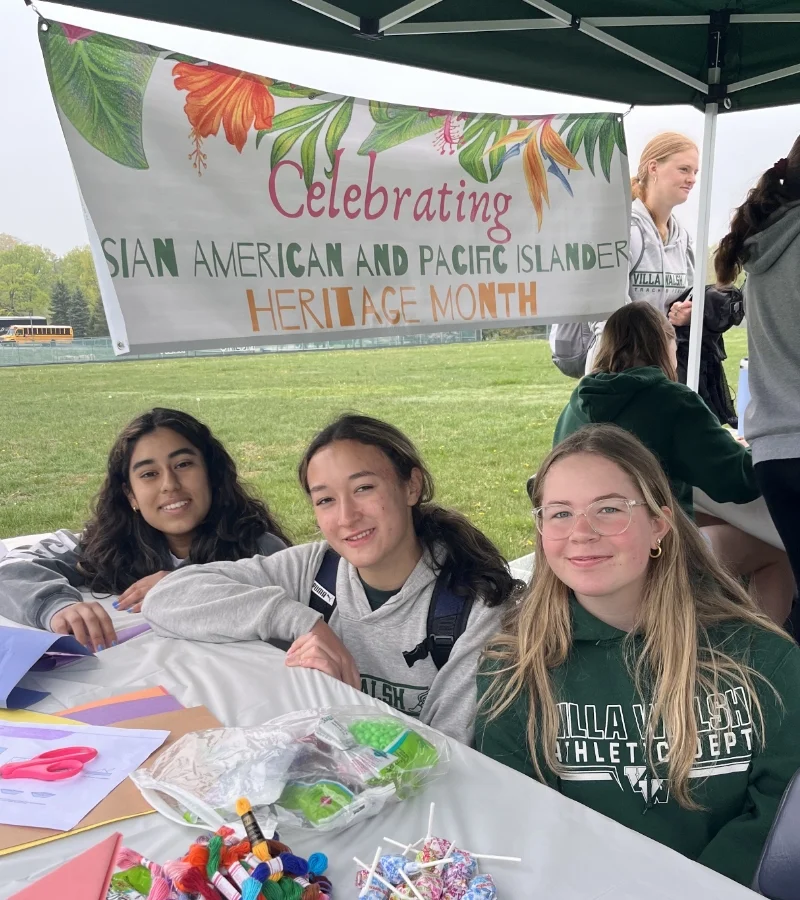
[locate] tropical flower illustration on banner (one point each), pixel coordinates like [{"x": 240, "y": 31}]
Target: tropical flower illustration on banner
[{"x": 99, "y": 82}]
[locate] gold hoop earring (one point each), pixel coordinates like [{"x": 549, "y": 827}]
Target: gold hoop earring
[{"x": 658, "y": 550}]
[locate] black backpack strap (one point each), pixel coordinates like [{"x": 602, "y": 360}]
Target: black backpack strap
[
  {"x": 448, "y": 615},
  {"x": 323, "y": 591}
]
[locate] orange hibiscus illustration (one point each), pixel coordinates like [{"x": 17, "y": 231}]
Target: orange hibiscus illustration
[
  {"x": 539, "y": 144},
  {"x": 217, "y": 95}
]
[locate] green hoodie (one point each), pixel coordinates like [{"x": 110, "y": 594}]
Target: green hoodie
[
  {"x": 672, "y": 421},
  {"x": 738, "y": 781}
]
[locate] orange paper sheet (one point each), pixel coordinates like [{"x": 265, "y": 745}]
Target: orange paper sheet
[{"x": 120, "y": 698}]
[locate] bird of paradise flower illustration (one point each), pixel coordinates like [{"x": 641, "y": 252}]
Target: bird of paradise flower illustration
[{"x": 542, "y": 151}]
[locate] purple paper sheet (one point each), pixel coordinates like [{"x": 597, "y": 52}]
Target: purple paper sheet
[
  {"x": 21, "y": 649},
  {"x": 52, "y": 661},
  {"x": 112, "y": 713},
  {"x": 134, "y": 631}
]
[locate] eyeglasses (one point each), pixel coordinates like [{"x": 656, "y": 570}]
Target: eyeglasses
[{"x": 605, "y": 517}]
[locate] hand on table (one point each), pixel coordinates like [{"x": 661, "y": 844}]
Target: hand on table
[
  {"x": 88, "y": 622},
  {"x": 321, "y": 649},
  {"x": 680, "y": 313},
  {"x": 133, "y": 598}
]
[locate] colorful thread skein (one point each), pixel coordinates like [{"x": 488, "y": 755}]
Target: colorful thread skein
[{"x": 223, "y": 867}]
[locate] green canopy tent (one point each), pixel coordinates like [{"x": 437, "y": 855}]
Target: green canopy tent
[{"x": 744, "y": 55}]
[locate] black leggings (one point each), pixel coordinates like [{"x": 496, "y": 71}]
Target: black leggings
[{"x": 779, "y": 480}]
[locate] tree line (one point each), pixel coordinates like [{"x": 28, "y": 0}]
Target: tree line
[{"x": 34, "y": 281}]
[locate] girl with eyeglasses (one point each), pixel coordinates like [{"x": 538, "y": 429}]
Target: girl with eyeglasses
[
  {"x": 633, "y": 385},
  {"x": 636, "y": 676}
]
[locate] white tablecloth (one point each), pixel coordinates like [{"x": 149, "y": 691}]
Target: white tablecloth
[{"x": 569, "y": 852}]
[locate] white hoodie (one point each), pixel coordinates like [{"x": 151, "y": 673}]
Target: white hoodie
[{"x": 659, "y": 272}]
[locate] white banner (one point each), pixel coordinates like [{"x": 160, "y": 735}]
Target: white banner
[{"x": 233, "y": 209}]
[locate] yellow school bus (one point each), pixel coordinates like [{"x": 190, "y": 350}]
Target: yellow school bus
[{"x": 36, "y": 334}]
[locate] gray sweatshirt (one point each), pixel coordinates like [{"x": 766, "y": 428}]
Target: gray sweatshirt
[
  {"x": 38, "y": 581},
  {"x": 267, "y": 597},
  {"x": 772, "y": 307},
  {"x": 659, "y": 272}
]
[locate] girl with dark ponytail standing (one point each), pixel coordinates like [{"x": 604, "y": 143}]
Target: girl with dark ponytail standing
[
  {"x": 398, "y": 560},
  {"x": 764, "y": 241}
]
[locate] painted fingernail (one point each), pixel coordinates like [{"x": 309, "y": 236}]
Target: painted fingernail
[
  {"x": 115, "y": 604},
  {"x": 113, "y": 643},
  {"x": 100, "y": 647}
]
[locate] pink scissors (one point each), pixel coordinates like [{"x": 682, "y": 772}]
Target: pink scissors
[{"x": 53, "y": 765}]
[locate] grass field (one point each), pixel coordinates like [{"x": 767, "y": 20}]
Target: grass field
[{"x": 482, "y": 414}]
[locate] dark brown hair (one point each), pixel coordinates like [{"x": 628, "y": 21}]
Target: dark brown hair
[
  {"x": 118, "y": 547},
  {"x": 779, "y": 185},
  {"x": 473, "y": 566},
  {"x": 636, "y": 335}
]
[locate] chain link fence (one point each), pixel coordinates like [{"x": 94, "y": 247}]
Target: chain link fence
[{"x": 86, "y": 350}]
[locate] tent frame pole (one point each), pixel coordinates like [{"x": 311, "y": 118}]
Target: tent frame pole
[
  {"x": 405, "y": 12},
  {"x": 701, "y": 246},
  {"x": 584, "y": 27},
  {"x": 776, "y": 75},
  {"x": 477, "y": 25},
  {"x": 331, "y": 12}
]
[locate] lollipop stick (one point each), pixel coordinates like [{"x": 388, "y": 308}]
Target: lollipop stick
[
  {"x": 430, "y": 822},
  {"x": 377, "y": 877},
  {"x": 489, "y": 856},
  {"x": 431, "y": 865},
  {"x": 371, "y": 873},
  {"x": 405, "y": 847},
  {"x": 411, "y": 886}
]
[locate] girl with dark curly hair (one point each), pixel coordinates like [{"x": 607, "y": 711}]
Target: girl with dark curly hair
[{"x": 171, "y": 496}]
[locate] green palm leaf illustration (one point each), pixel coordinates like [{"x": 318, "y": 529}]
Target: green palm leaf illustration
[
  {"x": 99, "y": 84},
  {"x": 336, "y": 130},
  {"x": 394, "y": 125},
  {"x": 482, "y": 132}
]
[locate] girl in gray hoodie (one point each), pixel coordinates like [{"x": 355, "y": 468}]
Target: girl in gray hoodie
[
  {"x": 764, "y": 240},
  {"x": 395, "y": 558},
  {"x": 661, "y": 251},
  {"x": 171, "y": 496}
]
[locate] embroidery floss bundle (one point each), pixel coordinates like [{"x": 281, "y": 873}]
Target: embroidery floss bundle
[
  {"x": 160, "y": 888},
  {"x": 224, "y": 867}
]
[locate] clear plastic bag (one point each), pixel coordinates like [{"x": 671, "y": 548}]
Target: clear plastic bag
[{"x": 320, "y": 769}]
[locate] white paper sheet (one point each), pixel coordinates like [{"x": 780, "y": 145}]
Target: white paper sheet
[{"x": 62, "y": 804}]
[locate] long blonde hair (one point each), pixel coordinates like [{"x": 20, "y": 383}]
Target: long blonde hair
[
  {"x": 668, "y": 651},
  {"x": 659, "y": 148}
]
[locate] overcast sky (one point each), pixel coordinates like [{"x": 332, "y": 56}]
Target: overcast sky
[{"x": 39, "y": 202}]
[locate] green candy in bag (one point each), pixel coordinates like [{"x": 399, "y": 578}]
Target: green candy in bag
[{"x": 411, "y": 755}]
